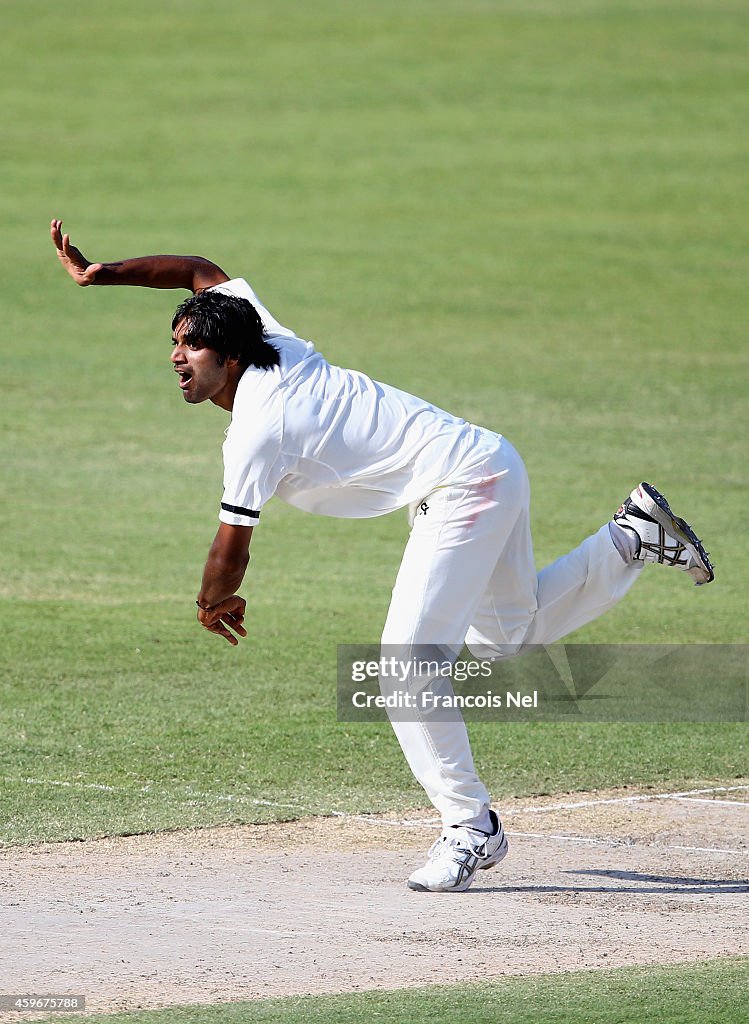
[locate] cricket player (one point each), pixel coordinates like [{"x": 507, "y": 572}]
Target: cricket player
[{"x": 335, "y": 442}]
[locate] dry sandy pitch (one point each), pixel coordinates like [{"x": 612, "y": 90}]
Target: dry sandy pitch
[{"x": 319, "y": 905}]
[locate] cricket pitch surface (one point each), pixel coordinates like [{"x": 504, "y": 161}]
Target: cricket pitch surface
[{"x": 320, "y": 904}]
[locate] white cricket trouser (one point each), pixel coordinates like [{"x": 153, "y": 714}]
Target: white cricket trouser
[{"x": 468, "y": 576}]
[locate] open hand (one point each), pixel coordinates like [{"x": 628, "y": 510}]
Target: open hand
[
  {"x": 80, "y": 269},
  {"x": 229, "y": 614}
]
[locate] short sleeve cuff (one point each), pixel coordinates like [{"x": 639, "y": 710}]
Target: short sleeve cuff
[{"x": 235, "y": 515}]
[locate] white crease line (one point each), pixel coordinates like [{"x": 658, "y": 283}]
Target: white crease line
[
  {"x": 75, "y": 785},
  {"x": 713, "y": 789},
  {"x": 639, "y": 798},
  {"x": 686, "y": 795},
  {"x": 187, "y": 796},
  {"x": 582, "y": 803},
  {"x": 430, "y": 823},
  {"x": 635, "y": 798},
  {"x": 434, "y": 823}
]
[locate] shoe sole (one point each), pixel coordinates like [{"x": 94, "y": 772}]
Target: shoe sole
[
  {"x": 495, "y": 859},
  {"x": 679, "y": 528},
  {"x": 418, "y": 887}
]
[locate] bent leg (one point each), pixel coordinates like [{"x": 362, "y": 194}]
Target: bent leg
[
  {"x": 579, "y": 587},
  {"x": 572, "y": 591}
]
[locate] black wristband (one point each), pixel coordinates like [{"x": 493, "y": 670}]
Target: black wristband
[{"x": 203, "y": 607}]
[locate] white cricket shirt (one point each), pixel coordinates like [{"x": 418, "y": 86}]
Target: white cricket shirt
[{"x": 334, "y": 441}]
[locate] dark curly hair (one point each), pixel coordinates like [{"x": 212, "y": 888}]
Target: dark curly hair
[{"x": 229, "y": 325}]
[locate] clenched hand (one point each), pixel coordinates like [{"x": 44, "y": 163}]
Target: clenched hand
[{"x": 229, "y": 614}]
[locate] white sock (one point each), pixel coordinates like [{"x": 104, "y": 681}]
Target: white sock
[{"x": 624, "y": 541}]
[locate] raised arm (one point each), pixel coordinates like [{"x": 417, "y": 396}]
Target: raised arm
[{"x": 191, "y": 272}]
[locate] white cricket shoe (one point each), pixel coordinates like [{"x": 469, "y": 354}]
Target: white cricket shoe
[
  {"x": 456, "y": 857},
  {"x": 661, "y": 536}
]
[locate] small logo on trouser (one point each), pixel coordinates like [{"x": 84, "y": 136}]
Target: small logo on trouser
[{"x": 423, "y": 509}]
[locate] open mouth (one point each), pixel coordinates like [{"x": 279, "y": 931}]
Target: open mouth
[{"x": 184, "y": 378}]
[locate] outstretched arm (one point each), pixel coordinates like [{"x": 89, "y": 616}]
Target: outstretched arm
[
  {"x": 191, "y": 272},
  {"x": 219, "y": 607}
]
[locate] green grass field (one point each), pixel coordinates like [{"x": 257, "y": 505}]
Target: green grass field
[
  {"x": 532, "y": 213},
  {"x": 715, "y": 991}
]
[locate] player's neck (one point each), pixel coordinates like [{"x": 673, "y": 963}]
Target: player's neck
[{"x": 224, "y": 398}]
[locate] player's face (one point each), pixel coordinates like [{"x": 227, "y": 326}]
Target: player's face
[{"x": 200, "y": 375}]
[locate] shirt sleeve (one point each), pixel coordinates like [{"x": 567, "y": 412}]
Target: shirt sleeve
[
  {"x": 239, "y": 287},
  {"x": 253, "y": 464}
]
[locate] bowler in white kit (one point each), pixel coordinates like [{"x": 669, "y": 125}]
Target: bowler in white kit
[{"x": 335, "y": 442}]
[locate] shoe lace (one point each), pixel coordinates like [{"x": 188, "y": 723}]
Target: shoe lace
[{"x": 449, "y": 844}]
